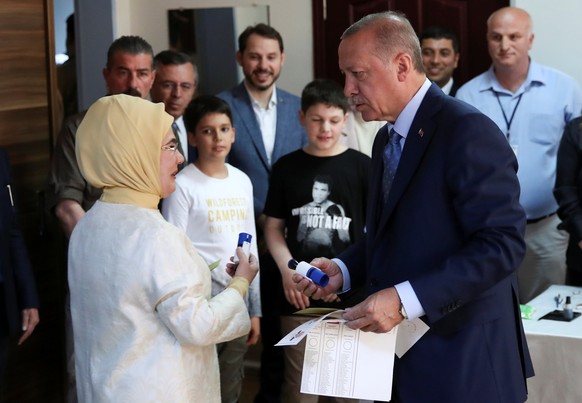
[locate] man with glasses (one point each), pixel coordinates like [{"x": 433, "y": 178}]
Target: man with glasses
[{"x": 175, "y": 85}]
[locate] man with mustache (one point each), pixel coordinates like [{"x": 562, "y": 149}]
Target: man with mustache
[
  {"x": 444, "y": 228},
  {"x": 267, "y": 127},
  {"x": 129, "y": 70},
  {"x": 531, "y": 104}
]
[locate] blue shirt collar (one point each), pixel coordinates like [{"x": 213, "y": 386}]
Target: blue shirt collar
[
  {"x": 535, "y": 76},
  {"x": 404, "y": 120}
]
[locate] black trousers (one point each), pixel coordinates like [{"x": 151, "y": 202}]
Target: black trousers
[{"x": 272, "y": 362}]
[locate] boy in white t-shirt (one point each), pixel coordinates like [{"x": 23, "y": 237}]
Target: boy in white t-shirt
[{"x": 213, "y": 203}]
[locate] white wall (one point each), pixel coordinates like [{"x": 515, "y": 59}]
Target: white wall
[
  {"x": 292, "y": 18},
  {"x": 556, "y": 26},
  {"x": 62, "y": 10},
  {"x": 558, "y": 33}
]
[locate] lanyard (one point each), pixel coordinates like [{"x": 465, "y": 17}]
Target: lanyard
[{"x": 508, "y": 122}]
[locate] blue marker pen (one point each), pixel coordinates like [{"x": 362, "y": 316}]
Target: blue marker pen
[
  {"x": 244, "y": 241},
  {"x": 311, "y": 273}
]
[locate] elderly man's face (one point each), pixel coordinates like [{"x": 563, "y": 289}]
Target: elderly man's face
[
  {"x": 129, "y": 74},
  {"x": 174, "y": 85},
  {"x": 370, "y": 82}
]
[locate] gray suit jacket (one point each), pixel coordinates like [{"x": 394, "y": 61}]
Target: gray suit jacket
[{"x": 248, "y": 152}]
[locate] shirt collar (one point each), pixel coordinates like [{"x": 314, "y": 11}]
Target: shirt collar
[
  {"x": 272, "y": 102},
  {"x": 447, "y": 87},
  {"x": 535, "y": 76},
  {"x": 404, "y": 120}
]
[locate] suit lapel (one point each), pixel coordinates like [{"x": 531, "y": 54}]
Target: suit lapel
[
  {"x": 284, "y": 113},
  {"x": 417, "y": 140},
  {"x": 242, "y": 103}
]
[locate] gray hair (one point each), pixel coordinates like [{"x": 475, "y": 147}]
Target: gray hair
[{"x": 394, "y": 35}]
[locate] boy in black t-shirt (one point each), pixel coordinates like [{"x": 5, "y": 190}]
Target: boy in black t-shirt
[{"x": 315, "y": 207}]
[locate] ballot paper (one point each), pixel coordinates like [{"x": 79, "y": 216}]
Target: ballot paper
[
  {"x": 342, "y": 362},
  {"x": 348, "y": 363}
]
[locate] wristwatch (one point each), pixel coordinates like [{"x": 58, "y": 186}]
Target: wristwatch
[{"x": 402, "y": 311}]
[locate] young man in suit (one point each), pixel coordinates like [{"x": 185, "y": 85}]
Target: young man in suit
[
  {"x": 18, "y": 296},
  {"x": 444, "y": 227},
  {"x": 440, "y": 56},
  {"x": 267, "y": 127}
]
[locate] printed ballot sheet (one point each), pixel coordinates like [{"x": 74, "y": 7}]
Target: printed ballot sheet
[{"x": 348, "y": 363}]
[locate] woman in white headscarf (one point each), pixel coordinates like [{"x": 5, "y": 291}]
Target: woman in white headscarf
[{"x": 143, "y": 321}]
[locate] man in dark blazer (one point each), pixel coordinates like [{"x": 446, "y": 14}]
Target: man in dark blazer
[
  {"x": 18, "y": 296},
  {"x": 266, "y": 119},
  {"x": 444, "y": 241},
  {"x": 440, "y": 56}
]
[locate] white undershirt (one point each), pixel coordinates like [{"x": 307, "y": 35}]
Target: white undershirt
[
  {"x": 448, "y": 86},
  {"x": 183, "y": 134},
  {"x": 267, "y": 119}
]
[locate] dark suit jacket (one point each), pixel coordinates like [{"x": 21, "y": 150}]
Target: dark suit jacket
[
  {"x": 454, "y": 228},
  {"x": 454, "y": 88},
  {"x": 18, "y": 281},
  {"x": 248, "y": 151}
]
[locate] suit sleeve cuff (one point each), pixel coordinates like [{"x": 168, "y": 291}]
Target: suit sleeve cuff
[
  {"x": 347, "y": 285},
  {"x": 409, "y": 300}
]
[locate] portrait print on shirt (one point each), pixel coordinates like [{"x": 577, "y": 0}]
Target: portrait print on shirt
[{"x": 323, "y": 225}]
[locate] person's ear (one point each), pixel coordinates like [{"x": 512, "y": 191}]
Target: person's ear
[
  {"x": 239, "y": 57},
  {"x": 404, "y": 65},
  {"x": 301, "y": 118},
  {"x": 191, "y": 139}
]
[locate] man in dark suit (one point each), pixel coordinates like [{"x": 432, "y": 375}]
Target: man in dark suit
[
  {"x": 444, "y": 237},
  {"x": 266, "y": 119},
  {"x": 175, "y": 86},
  {"x": 18, "y": 296},
  {"x": 440, "y": 56}
]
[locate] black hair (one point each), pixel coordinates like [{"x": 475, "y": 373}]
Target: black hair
[
  {"x": 438, "y": 32},
  {"x": 325, "y": 179},
  {"x": 323, "y": 91},
  {"x": 202, "y": 106},
  {"x": 171, "y": 57},
  {"x": 134, "y": 45},
  {"x": 71, "y": 28},
  {"x": 260, "y": 29}
]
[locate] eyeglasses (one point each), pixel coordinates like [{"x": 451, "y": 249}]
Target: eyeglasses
[
  {"x": 172, "y": 86},
  {"x": 172, "y": 148}
]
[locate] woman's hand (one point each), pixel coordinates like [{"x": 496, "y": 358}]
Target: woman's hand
[{"x": 247, "y": 267}]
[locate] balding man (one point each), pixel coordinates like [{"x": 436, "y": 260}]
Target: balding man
[{"x": 531, "y": 104}]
